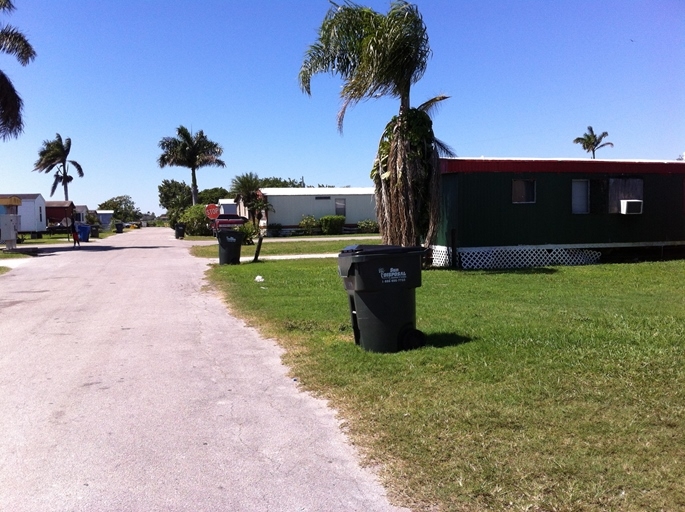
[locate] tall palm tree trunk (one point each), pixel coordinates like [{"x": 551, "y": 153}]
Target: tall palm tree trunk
[{"x": 193, "y": 186}]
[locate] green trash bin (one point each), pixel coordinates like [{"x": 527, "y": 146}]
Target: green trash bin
[
  {"x": 180, "y": 230},
  {"x": 381, "y": 282},
  {"x": 230, "y": 242}
]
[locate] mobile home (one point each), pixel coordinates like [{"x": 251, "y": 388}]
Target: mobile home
[
  {"x": 291, "y": 204},
  {"x": 32, "y": 213},
  {"x": 507, "y": 213}
]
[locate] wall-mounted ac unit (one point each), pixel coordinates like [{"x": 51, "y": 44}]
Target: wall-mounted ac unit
[{"x": 631, "y": 206}]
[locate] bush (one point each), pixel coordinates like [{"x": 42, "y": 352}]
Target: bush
[
  {"x": 309, "y": 225},
  {"x": 332, "y": 224},
  {"x": 195, "y": 220},
  {"x": 367, "y": 226},
  {"x": 249, "y": 233}
]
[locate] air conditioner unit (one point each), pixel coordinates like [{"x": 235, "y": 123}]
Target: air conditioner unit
[{"x": 631, "y": 206}]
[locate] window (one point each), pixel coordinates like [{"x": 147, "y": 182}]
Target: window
[
  {"x": 319, "y": 198},
  {"x": 340, "y": 206},
  {"x": 580, "y": 196},
  {"x": 40, "y": 214},
  {"x": 623, "y": 188},
  {"x": 523, "y": 191}
]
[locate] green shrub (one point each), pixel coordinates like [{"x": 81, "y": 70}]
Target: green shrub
[
  {"x": 332, "y": 224},
  {"x": 92, "y": 219},
  {"x": 195, "y": 220},
  {"x": 367, "y": 226},
  {"x": 249, "y": 232},
  {"x": 309, "y": 225}
]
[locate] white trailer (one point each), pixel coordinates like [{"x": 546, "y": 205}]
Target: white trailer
[
  {"x": 32, "y": 213},
  {"x": 291, "y": 204},
  {"x": 228, "y": 206}
]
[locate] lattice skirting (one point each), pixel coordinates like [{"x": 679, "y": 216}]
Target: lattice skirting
[{"x": 511, "y": 257}]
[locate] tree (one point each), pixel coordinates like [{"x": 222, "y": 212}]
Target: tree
[
  {"x": 175, "y": 197},
  {"x": 383, "y": 55},
  {"x": 191, "y": 151},
  {"x": 12, "y": 42},
  {"x": 274, "y": 182},
  {"x": 212, "y": 195},
  {"x": 195, "y": 221},
  {"x": 245, "y": 188},
  {"x": 54, "y": 155},
  {"x": 124, "y": 208},
  {"x": 592, "y": 142}
]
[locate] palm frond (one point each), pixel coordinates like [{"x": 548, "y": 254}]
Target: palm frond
[
  {"x": 444, "y": 150},
  {"x": 375, "y": 55},
  {"x": 11, "y": 106},
  {"x": 6, "y": 5},
  {"x": 13, "y": 42},
  {"x": 55, "y": 183},
  {"x": 79, "y": 170},
  {"x": 432, "y": 105}
]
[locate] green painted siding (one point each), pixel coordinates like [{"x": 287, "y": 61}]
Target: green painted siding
[{"x": 478, "y": 205}]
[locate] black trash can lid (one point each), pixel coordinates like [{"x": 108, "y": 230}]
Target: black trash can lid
[{"x": 379, "y": 249}]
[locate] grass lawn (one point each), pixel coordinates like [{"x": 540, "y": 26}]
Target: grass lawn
[
  {"x": 12, "y": 255},
  {"x": 285, "y": 248},
  {"x": 8, "y": 256},
  {"x": 551, "y": 389}
]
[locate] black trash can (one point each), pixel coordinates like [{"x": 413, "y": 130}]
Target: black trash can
[
  {"x": 180, "y": 230},
  {"x": 230, "y": 242},
  {"x": 119, "y": 227},
  {"x": 381, "y": 282},
  {"x": 95, "y": 231}
]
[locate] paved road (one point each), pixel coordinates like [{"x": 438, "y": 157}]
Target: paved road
[{"x": 126, "y": 386}]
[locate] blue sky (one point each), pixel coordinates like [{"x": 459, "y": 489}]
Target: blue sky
[{"x": 525, "y": 78}]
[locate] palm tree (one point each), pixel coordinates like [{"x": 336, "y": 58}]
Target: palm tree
[
  {"x": 14, "y": 43},
  {"x": 245, "y": 188},
  {"x": 383, "y": 55},
  {"x": 54, "y": 154},
  {"x": 408, "y": 143},
  {"x": 592, "y": 142},
  {"x": 191, "y": 151}
]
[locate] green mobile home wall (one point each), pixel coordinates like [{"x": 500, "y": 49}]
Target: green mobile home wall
[{"x": 478, "y": 210}]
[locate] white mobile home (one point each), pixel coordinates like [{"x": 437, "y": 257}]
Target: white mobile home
[
  {"x": 32, "y": 213},
  {"x": 291, "y": 204},
  {"x": 227, "y": 206}
]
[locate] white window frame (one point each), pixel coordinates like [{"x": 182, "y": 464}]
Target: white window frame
[{"x": 576, "y": 205}]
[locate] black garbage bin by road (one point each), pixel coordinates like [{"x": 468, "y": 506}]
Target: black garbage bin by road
[
  {"x": 119, "y": 227},
  {"x": 230, "y": 242},
  {"x": 180, "y": 230},
  {"x": 381, "y": 282}
]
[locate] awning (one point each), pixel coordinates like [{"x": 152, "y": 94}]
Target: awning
[{"x": 10, "y": 201}]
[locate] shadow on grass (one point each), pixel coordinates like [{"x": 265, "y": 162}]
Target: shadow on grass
[
  {"x": 522, "y": 271},
  {"x": 446, "y": 339}
]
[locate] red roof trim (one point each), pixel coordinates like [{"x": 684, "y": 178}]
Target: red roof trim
[{"x": 477, "y": 165}]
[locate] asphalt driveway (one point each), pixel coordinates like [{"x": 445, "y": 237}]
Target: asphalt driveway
[{"x": 127, "y": 386}]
